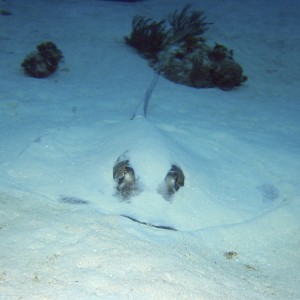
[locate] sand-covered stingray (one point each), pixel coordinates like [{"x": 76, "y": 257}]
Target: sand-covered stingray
[{"x": 165, "y": 172}]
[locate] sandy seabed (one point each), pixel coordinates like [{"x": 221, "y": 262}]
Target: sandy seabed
[{"x": 237, "y": 217}]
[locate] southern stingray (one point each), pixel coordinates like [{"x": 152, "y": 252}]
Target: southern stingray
[{"x": 185, "y": 177}]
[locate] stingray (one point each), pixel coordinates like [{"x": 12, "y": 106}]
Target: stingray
[{"x": 157, "y": 173}]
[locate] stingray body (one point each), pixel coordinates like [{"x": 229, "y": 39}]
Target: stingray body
[
  {"x": 127, "y": 183},
  {"x": 169, "y": 172}
]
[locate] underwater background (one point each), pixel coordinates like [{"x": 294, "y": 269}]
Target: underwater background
[{"x": 78, "y": 96}]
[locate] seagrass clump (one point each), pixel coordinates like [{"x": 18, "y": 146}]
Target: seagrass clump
[
  {"x": 185, "y": 24},
  {"x": 147, "y": 36},
  {"x": 43, "y": 62},
  {"x": 176, "y": 48}
]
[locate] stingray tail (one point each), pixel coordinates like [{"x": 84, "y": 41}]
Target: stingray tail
[{"x": 142, "y": 108}]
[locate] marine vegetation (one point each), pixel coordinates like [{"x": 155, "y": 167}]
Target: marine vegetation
[
  {"x": 147, "y": 36},
  {"x": 184, "y": 25},
  {"x": 43, "y": 62},
  {"x": 175, "y": 47}
]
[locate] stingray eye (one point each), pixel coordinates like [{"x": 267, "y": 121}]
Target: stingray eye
[
  {"x": 176, "y": 177},
  {"x": 125, "y": 170}
]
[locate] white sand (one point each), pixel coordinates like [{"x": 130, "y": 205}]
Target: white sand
[{"x": 60, "y": 137}]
